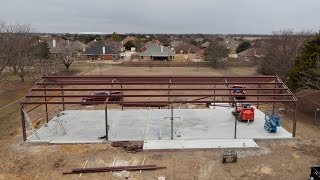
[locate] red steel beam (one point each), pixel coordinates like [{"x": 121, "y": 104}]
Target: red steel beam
[
  {"x": 155, "y": 89},
  {"x": 156, "y": 76},
  {"x": 161, "y": 102},
  {"x": 156, "y": 80},
  {"x": 155, "y": 83},
  {"x": 155, "y": 95}
]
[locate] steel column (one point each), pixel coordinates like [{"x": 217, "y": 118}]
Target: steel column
[
  {"x": 171, "y": 119},
  {"x": 294, "y": 120},
  {"x": 258, "y": 97},
  {"x": 45, "y": 99},
  {"x": 23, "y": 121},
  {"x": 62, "y": 93},
  {"x": 214, "y": 93},
  {"x": 273, "y": 104},
  {"x": 106, "y": 122},
  {"x": 235, "y": 121}
]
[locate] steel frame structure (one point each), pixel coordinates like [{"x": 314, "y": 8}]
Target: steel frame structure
[{"x": 165, "y": 91}]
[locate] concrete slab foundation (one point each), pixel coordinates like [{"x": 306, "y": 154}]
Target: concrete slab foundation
[
  {"x": 198, "y": 144},
  {"x": 86, "y": 126}
]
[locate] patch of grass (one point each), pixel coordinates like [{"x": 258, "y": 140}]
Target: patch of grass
[{"x": 9, "y": 119}]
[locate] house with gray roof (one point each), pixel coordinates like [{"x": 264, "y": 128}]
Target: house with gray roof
[
  {"x": 157, "y": 53},
  {"x": 100, "y": 53}
]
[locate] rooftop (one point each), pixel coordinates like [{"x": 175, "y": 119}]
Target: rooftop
[{"x": 157, "y": 50}]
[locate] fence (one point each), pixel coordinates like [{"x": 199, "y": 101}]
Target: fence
[{"x": 185, "y": 64}]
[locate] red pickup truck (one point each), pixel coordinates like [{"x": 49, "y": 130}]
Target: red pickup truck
[{"x": 103, "y": 93}]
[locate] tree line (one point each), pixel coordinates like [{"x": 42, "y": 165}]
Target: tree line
[
  {"x": 293, "y": 56},
  {"x": 22, "y": 52}
]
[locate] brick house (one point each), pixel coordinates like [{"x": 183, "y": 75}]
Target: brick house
[
  {"x": 157, "y": 53},
  {"x": 100, "y": 53}
]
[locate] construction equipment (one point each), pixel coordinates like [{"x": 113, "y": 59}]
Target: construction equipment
[
  {"x": 315, "y": 173},
  {"x": 244, "y": 113},
  {"x": 272, "y": 121},
  {"x": 229, "y": 156}
]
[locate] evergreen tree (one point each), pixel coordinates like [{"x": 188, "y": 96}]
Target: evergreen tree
[
  {"x": 243, "y": 46},
  {"x": 42, "y": 50},
  {"x": 306, "y": 68},
  {"x": 116, "y": 37}
]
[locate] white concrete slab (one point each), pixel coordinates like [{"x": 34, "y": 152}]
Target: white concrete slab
[
  {"x": 88, "y": 125},
  {"x": 198, "y": 144}
]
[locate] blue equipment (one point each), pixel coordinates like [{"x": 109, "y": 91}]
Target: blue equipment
[{"x": 272, "y": 121}]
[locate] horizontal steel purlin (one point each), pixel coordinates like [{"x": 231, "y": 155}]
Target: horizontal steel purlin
[
  {"x": 156, "y": 83},
  {"x": 156, "y": 77},
  {"x": 149, "y": 83},
  {"x": 154, "y": 89},
  {"x": 156, "y": 95},
  {"x": 146, "y": 102}
]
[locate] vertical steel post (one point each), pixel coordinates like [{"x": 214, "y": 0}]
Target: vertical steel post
[
  {"x": 258, "y": 97},
  {"x": 106, "y": 120},
  {"x": 45, "y": 99},
  {"x": 171, "y": 118},
  {"x": 294, "y": 120},
  {"x": 62, "y": 93},
  {"x": 235, "y": 122},
  {"x": 23, "y": 121},
  {"x": 169, "y": 91},
  {"x": 214, "y": 93},
  {"x": 274, "y": 98}
]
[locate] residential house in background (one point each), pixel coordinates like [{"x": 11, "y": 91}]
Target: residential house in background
[
  {"x": 78, "y": 45},
  {"x": 157, "y": 53},
  {"x": 175, "y": 43},
  {"x": 205, "y": 45},
  {"x": 250, "y": 54},
  {"x": 93, "y": 43},
  {"x": 116, "y": 46},
  {"x": 149, "y": 44},
  {"x": 100, "y": 53},
  {"x": 56, "y": 47},
  {"x": 185, "y": 48},
  {"x": 128, "y": 38},
  {"x": 200, "y": 53},
  {"x": 199, "y": 40}
]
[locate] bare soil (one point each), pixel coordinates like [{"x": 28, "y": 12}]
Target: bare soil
[{"x": 290, "y": 159}]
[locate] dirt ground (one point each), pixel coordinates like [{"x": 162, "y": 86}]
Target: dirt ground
[{"x": 274, "y": 159}]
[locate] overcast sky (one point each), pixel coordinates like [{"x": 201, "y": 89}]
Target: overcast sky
[{"x": 163, "y": 16}]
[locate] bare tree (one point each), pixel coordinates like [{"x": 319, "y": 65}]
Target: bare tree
[
  {"x": 8, "y": 39},
  {"x": 17, "y": 49},
  {"x": 280, "y": 50},
  {"x": 68, "y": 55},
  {"x": 215, "y": 54}
]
